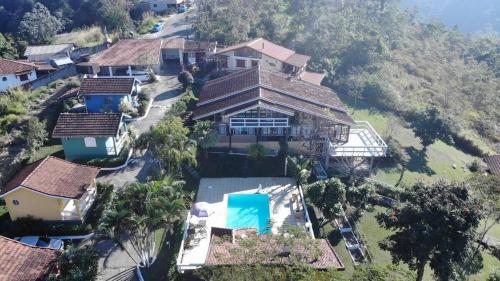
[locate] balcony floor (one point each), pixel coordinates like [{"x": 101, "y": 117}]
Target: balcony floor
[{"x": 362, "y": 143}]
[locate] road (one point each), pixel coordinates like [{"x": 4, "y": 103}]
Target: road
[
  {"x": 177, "y": 25},
  {"x": 114, "y": 263}
]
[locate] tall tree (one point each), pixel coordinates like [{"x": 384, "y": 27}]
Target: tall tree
[
  {"x": 204, "y": 134},
  {"x": 39, "y": 26},
  {"x": 140, "y": 211},
  {"x": 300, "y": 168},
  {"x": 433, "y": 224},
  {"x": 328, "y": 196},
  {"x": 115, "y": 14},
  {"x": 77, "y": 264},
  {"x": 487, "y": 190},
  {"x": 35, "y": 134},
  {"x": 7, "y": 50}
]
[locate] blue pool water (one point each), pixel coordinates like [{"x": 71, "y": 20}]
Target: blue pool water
[{"x": 248, "y": 210}]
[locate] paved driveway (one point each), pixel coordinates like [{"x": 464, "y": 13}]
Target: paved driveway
[
  {"x": 115, "y": 264},
  {"x": 177, "y": 25}
]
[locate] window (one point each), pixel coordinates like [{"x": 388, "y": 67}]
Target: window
[
  {"x": 15, "y": 202},
  {"x": 240, "y": 63},
  {"x": 4, "y": 79},
  {"x": 90, "y": 142},
  {"x": 255, "y": 63},
  {"x": 23, "y": 77},
  {"x": 155, "y": 5}
]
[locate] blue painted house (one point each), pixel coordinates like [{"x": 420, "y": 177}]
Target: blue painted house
[
  {"x": 91, "y": 135},
  {"x": 106, "y": 94}
]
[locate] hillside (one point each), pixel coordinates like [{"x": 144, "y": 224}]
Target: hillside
[
  {"x": 479, "y": 16},
  {"x": 377, "y": 52}
]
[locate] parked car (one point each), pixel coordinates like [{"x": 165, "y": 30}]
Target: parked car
[
  {"x": 157, "y": 27},
  {"x": 182, "y": 9},
  {"x": 42, "y": 242}
]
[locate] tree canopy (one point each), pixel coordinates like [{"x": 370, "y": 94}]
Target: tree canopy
[
  {"x": 39, "y": 26},
  {"x": 142, "y": 209},
  {"x": 434, "y": 225},
  {"x": 376, "y": 51}
]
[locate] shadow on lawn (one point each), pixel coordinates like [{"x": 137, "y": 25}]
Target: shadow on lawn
[{"x": 418, "y": 161}]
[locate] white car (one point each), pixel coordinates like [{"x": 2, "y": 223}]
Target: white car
[{"x": 42, "y": 242}]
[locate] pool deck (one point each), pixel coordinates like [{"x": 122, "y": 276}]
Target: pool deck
[{"x": 214, "y": 191}]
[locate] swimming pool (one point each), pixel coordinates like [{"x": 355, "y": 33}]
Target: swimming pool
[{"x": 248, "y": 210}]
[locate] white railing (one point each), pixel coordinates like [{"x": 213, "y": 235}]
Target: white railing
[
  {"x": 308, "y": 225},
  {"x": 259, "y": 122},
  {"x": 87, "y": 200},
  {"x": 369, "y": 142}
]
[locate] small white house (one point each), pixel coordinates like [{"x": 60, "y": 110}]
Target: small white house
[
  {"x": 160, "y": 6},
  {"x": 15, "y": 73}
]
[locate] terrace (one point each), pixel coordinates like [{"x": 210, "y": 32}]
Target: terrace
[
  {"x": 363, "y": 141},
  {"x": 286, "y": 206}
]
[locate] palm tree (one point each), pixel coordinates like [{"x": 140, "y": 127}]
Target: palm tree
[
  {"x": 169, "y": 143},
  {"x": 300, "y": 168},
  {"x": 140, "y": 211}
]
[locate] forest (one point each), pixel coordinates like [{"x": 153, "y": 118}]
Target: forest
[
  {"x": 24, "y": 22},
  {"x": 378, "y": 54}
]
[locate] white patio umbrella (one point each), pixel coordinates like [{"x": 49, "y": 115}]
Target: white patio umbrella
[{"x": 201, "y": 209}]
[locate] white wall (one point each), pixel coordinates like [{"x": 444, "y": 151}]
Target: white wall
[
  {"x": 266, "y": 62},
  {"x": 12, "y": 80},
  {"x": 162, "y": 5},
  {"x": 47, "y": 57}
]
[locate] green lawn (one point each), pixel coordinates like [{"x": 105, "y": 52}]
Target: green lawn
[
  {"x": 372, "y": 233},
  {"x": 45, "y": 151},
  {"x": 436, "y": 163}
]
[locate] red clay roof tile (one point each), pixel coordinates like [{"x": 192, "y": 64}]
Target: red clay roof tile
[
  {"x": 55, "y": 177},
  {"x": 92, "y": 86},
  {"x": 21, "y": 262},
  {"x": 87, "y": 125},
  {"x": 14, "y": 67}
]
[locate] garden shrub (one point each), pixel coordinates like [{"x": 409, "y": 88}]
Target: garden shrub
[
  {"x": 257, "y": 151},
  {"x": 77, "y": 263},
  {"x": 103, "y": 197}
]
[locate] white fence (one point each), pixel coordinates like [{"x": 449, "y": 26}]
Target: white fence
[{"x": 259, "y": 122}]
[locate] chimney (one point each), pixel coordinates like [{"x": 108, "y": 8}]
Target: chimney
[{"x": 262, "y": 45}]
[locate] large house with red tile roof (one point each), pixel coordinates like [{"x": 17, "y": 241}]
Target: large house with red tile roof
[
  {"x": 268, "y": 55},
  {"x": 138, "y": 57},
  {"x": 51, "y": 189},
  {"x": 21, "y": 262},
  {"x": 15, "y": 73},
  {"x": 91, "y": 135},
  {"x": 259, "y": 105}
]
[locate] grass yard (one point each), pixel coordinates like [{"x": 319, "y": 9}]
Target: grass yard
[
  {"x": 84, "y": 37},
  {"x": 46, "y": 151},
  {"x": 372, "y": 233},
  {"x": 437, "y": 163}
]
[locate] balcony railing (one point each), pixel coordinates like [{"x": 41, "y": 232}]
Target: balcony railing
[
  {"x": 259, "y": 122},
  {"x": 77, "y": 209},
  {"x": 363, "y": 141}
]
